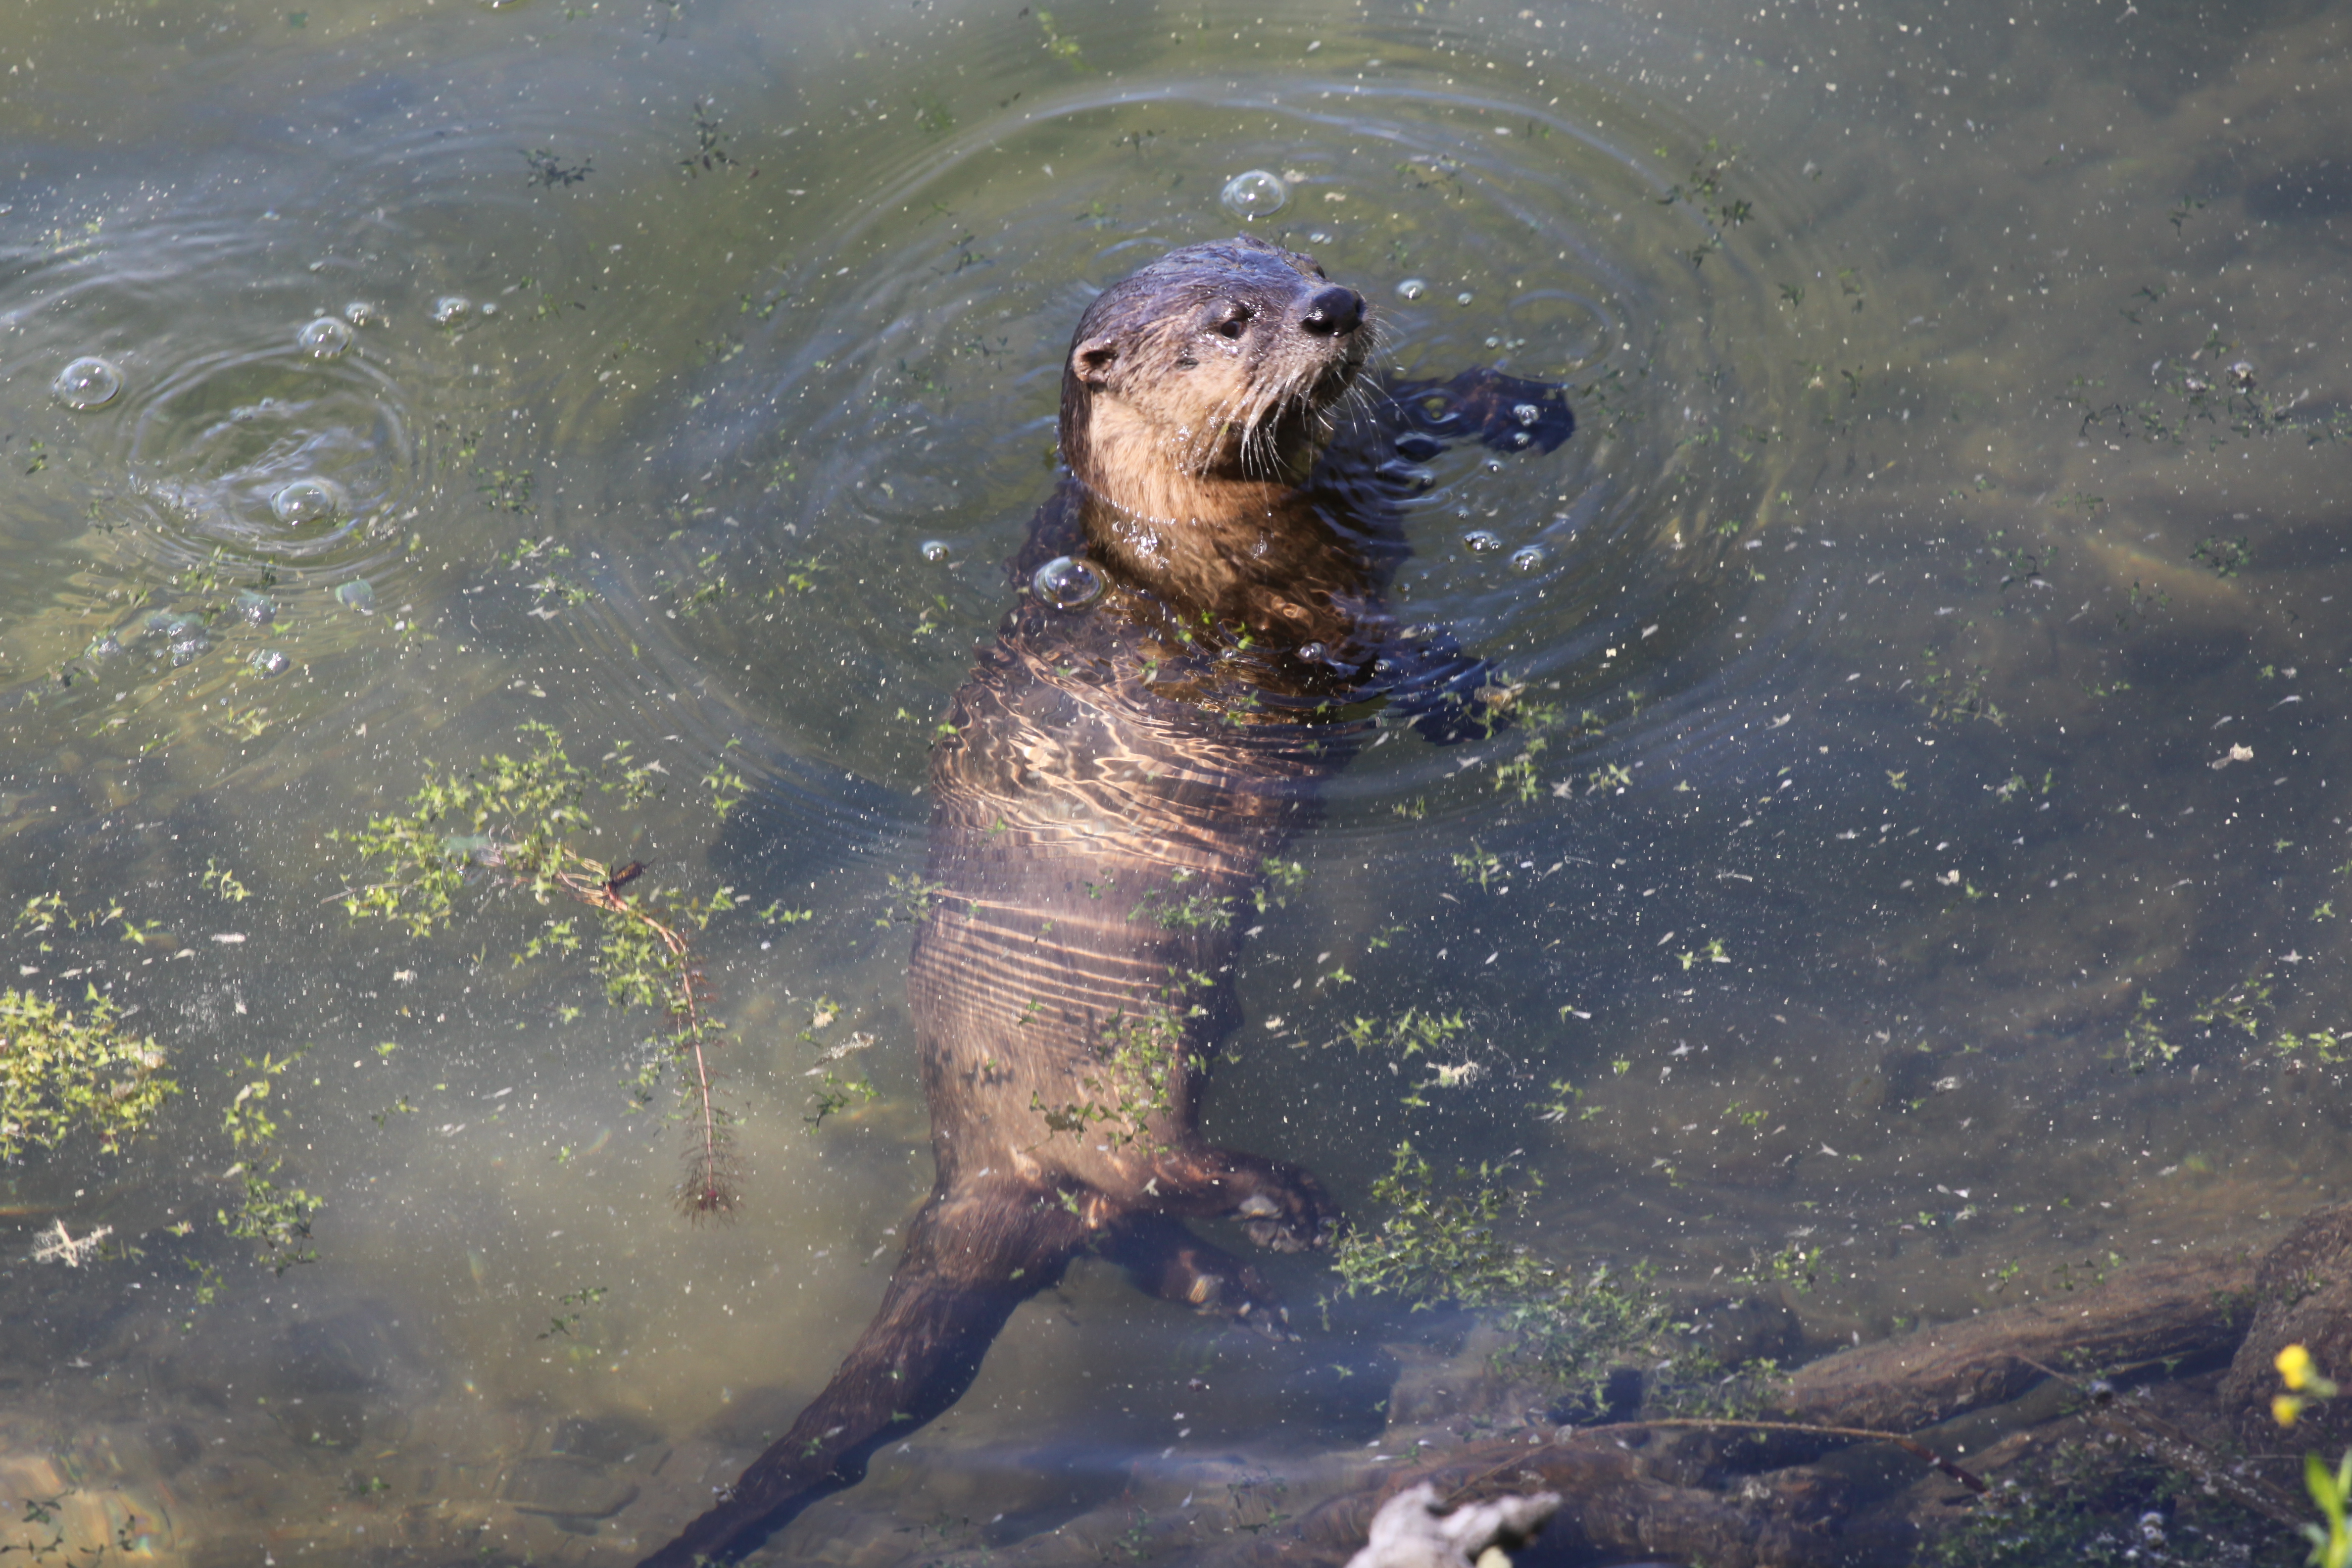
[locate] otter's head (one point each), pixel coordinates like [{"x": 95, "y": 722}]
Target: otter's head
[{"x": 1217, "y": 363}]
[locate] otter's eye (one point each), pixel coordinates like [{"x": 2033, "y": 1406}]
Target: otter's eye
[{"x": 1234, "y": 322}]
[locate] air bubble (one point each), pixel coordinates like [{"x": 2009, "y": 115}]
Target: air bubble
[
  {"x": 306, "y": 501},
  {"x": 1067, "y": 583},
  {"x": 270, "y": 662},
  {"x": 1463, "y": 298},
  {"x": 88, "y": 382},
  {"x": 254, "y": 608},
  {"x": 1529, "y": 558},
  {"x": 1254, "y": 193},
  {"x": 935, "y": 549},
  {"x": 1412, "y": 289},
  {"x": 1481, "y": 541},
  {"x": 325, "y": 338},
  {"x": 451, "y": 308},
  {"x": 358, "y": 594},
  {"x": 359, "y": 313}
]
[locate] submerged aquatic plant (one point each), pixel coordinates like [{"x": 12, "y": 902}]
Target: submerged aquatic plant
[
  {"x": 1436, "y": 1245},
  {"x": 278, "y": 1217},
  {"x": 60, "y": 1074},
  {"x": 515, "y": 822}
]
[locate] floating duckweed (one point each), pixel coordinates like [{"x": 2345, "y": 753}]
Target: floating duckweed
[
  {"x": 1412, "y": 289},
  {"x": 254, "y": 608},
  {"x": 934, "y": 549},
  {"x": 270, "y": 662},
  {"x": 1482, "y": 540},
  {"x": 1254, "y": 193},
  {"x": 88, "y": 382},
  {"x": 1067, "y": 583},
  {"x": 306, "y": 501},
  {"x": 359, "y": 594},
  {"x": 325, "y": 338},
  {"x": 1529, "y": 558},
  {"x": 451, "y": 308}
]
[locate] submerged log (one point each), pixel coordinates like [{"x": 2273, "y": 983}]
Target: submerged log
[
  {"x": 1622, "y": 1498},
  {"x": 2170, "y": 1310}
]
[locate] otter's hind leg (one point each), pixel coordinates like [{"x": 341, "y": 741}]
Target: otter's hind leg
[
  {"x": 1168, "y": 1261},
  {"x": 974, "y": 1254}
]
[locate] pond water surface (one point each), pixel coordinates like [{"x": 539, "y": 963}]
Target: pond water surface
[{"x": 1924, "y": 846}]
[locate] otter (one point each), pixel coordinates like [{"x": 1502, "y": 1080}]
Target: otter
[{"x": 1201, "y": 639}]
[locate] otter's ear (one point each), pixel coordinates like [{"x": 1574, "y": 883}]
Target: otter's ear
[{"x": 1092, "y": 360}]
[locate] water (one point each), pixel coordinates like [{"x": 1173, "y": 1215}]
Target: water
[{"x": 1933, "y": 633}]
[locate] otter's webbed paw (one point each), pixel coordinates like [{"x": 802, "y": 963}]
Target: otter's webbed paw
[
  {"x": 1172, "y": 1263},
  {"x": 1504, "y": 411}
]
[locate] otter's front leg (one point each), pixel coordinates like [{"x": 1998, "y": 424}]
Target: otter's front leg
[{"x": 1504, "y": 412}]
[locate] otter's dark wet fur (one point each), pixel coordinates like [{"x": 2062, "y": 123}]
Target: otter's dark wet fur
[{"x": 1117, "y": 777}]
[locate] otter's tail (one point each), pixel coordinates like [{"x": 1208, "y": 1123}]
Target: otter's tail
[{"x": 972, "y": 1256}]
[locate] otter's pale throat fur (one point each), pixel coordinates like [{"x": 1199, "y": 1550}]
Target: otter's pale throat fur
[{"x": 1117, "y": 775}]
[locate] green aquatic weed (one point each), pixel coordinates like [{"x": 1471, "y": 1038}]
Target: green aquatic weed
[
  {"x": 1411, "y": 1033},
  {"x": 278, "y": 1217},
  {"x": 60, "y": 1074},
  {"x": 1434, "y": 1246},
  {"x": 1284, "y": 880},
  {"x": 513, "y": 821},
  {"x": 1480, "y": 865}
]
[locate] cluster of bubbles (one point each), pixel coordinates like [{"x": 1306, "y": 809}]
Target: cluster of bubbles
[
  {"x": 183, "y": 632},
  {"x": 1527, "y": 558},
  {"x": 1067, "y": 583},
  {"x": 90, "y": 382},
  {"x": 1254, "y": 193}
]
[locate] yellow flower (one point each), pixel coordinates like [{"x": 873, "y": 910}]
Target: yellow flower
[
  {"x": 2284, "y": 1408},
  {"x": 2294, "y": 1366}
]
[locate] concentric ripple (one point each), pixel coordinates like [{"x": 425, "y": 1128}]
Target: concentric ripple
[
  {"x": 892, "y": 422},
  {"x": 272, "y": 456}
]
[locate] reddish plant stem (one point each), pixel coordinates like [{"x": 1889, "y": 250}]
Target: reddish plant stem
[{"x": 600, "y": 889}]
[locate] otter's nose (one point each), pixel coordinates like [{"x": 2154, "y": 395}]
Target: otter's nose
[{"x": 1334, "y": 313}]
